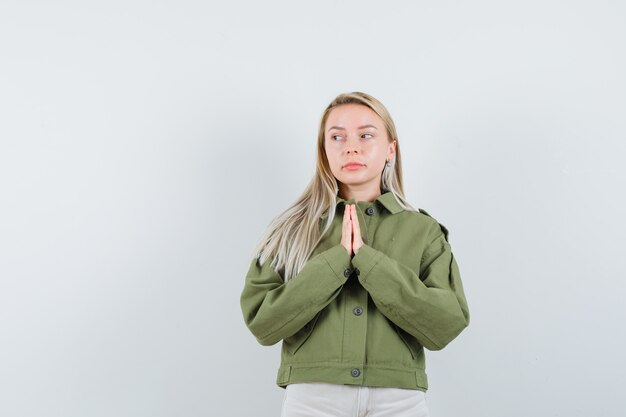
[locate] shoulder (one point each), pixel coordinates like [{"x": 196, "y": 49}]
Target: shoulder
[{"x": 435, "y": 226}]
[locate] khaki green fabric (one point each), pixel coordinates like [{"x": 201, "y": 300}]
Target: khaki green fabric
[{"x": 363, "y": 320}]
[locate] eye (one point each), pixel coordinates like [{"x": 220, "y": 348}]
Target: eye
[
  {"x": 367, "y": 134},
  {"x": 334, "y": 136}
]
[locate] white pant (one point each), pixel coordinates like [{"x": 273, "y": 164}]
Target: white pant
[{"x": 320, "y": 399}]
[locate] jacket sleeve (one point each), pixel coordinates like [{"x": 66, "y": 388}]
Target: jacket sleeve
[
  {"x": 274, "y": 309},
  {"x": 433, "y": 309}
]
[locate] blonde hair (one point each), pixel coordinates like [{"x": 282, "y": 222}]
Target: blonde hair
[{"x": 292, "y": 236}]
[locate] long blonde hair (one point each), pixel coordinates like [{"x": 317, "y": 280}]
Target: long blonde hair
[{"x": 292, "y": 236}]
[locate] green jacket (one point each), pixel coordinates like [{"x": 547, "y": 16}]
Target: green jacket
[{"x": 363, "y": 320}]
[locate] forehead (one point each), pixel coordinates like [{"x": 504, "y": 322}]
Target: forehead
[{"x": 353, "y": 115}]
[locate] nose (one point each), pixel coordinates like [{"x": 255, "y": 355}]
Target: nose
[{"x": 353, "y": 145}]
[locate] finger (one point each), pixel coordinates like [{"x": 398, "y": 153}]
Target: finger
[
  {"x": 350, "y": 209},
  {"x": 346, "y": 230},
  {"x": 356, "y": 229},
  {"x": 354, "y": 216}
]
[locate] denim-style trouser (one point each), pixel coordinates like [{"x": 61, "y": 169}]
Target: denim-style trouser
[{"x": 320, "y": 399}]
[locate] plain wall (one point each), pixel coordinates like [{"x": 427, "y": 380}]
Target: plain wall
[{"x": 146, "y": 145}]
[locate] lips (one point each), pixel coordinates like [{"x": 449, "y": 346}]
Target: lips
[{"x": 353, "y": 164}]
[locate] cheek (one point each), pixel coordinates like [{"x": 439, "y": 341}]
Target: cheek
[
  {"x": 333, "y": 162},
  {"x": 379, "y": 156},
  {"x": 382, "y": 150},
  {"x": 332, "y": 155}
]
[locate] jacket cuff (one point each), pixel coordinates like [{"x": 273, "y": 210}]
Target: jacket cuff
[
  {"x": 365, "y": 259},
  {"x": 339, "y": 261}
]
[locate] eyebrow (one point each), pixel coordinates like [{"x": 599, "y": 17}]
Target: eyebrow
[{"x": 360, "y": 127}]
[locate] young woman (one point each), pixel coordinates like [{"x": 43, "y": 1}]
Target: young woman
[{"x": 353, "y": 280}]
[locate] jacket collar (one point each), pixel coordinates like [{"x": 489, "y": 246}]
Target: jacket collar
[{"x": 386, "y": 199}]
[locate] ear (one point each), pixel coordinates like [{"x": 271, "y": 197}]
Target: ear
[{"x": 391, "y": 150}]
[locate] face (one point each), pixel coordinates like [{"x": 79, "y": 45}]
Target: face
[{"x": 357, "y": 146}]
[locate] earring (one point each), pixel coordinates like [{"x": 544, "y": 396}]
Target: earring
[{"x": 388, "y": 163}]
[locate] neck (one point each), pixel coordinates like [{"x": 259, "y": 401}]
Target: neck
[{"x": 358, "y": 194}]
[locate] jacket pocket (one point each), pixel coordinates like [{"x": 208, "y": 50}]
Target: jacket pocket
[
  {"x": 408, "y": 340},
  {"x": 293, "y": 343}
]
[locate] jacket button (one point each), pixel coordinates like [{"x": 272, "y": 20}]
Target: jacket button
[
  {"x": 347, "y": 272},
  {"x": 355, "y": 372},
  {"x": 356, "y": 271},
  {"x": 357, "y": 311},
  {"x": 369, "y": 211}
]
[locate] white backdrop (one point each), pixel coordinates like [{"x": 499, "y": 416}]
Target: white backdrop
[{"x": 146, "y": 145}]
